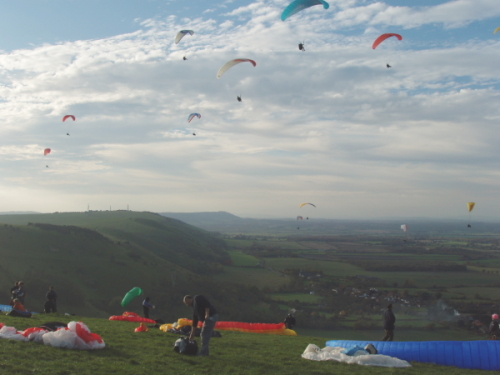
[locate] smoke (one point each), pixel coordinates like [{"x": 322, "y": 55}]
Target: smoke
[{"x": 442, "y": 312}]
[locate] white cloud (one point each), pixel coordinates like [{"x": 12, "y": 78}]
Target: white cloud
[{"x": 331, "y": 124}]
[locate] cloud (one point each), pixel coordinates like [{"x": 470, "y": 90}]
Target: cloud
[{"x": 331, "y": 124}]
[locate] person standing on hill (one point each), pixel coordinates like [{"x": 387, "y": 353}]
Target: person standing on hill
[
  {"x": 494, "y": 329},
  {"x": 20, "y": 293},
  {"x": 389, "y": 320},
  {"x": 289, "y": 321},
  {"x": 146, "y": 306},
  {"x": 203, "y": 311},
  {"x": 13, "y": 292},
  {"x": 51, "y": 303}
]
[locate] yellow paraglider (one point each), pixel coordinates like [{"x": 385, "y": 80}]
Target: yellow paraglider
[
  {"x": 470, "y": 207},
  {"x": 496, "y": 30}
]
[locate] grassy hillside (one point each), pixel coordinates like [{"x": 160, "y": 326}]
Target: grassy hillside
[
  {"x": 93, "y": 259},
  {"x": 151, "y": 352},
  {"x": 168, "y": 238}
]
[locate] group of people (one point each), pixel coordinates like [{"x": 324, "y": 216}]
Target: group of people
[{"x": 18, "y": 295}]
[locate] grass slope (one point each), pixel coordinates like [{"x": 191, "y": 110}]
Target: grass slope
[
  {"x": 168, "y": 238},
  {"x": 93, "y": 259},
  {"x": 151, "y": 352}
]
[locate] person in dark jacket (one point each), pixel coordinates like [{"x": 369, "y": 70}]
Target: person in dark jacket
[
  {"x": 289, "y": 321},
  {"x": 13, "y": 293},
  {"x": 203, "y": 311},
  {"x": 51, "y": 303},
  {"x": 494, "y": 329},
  {"x": 389, "y": 320},
  {"x": 20, "y": 292},
  {"x": 146, "y": 305}
]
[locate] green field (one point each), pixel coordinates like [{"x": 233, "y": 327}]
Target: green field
[
  {"x": 259, "y": 277},
  {"x": 146, "y": 353},
  {"x": 423, "y": 279},
  {"x": 240, "y": 259}
]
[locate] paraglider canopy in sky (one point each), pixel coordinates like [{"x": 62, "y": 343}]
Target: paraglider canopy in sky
[
  {"x": 496, "y": 30},
  {"x": 181, "y": 35},
  {"x": 68, "y": 116},
  {"x": 470, "y": 206},
  {"x": 193, "y": 115},
  {"x": 46, "y": 151},
  {"x": 232, "y": 63},
  {"x": 299, "y": 5},
  {"x": 404, "y": 228},
  {"x": 383, "y": 37},
  {"x": 303, "y": 204}
]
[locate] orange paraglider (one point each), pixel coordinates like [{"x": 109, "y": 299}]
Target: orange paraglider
[
  {"x": 383, "y": 37},
  {"x": 68, "y": 116}
]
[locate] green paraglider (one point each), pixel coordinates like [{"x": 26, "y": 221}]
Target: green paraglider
[{"x": 134, "y": 292}]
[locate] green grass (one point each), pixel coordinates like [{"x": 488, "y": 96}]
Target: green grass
[
  {"x": 240, "y": 259},
  {"x": 259, "y": 277},
  {"x": 147, "y": 353}
]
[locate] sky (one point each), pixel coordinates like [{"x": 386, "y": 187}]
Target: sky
[{"x": 331, "y": 125}]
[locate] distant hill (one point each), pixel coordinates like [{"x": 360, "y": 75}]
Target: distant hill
[
  {"x": 204, "y": 219},
  {"x": 92, "y": 259},
  {"x": 224, "y": 222},
  {"x": 18, "y": 213}
]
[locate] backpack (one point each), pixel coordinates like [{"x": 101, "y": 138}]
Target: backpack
[{"x": 183, "y": 346}]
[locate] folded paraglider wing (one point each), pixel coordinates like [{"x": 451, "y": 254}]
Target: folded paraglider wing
[
  {"x": 75, "y": 336},
  {"x": 299, "y": 5},
  {"x": 232, "y": 63}
]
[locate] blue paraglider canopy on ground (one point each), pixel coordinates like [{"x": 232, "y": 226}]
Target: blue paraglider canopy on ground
[{"x": 481, "y": 354}]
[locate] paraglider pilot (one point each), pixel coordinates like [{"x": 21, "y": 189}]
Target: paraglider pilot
[
  {"x": 203, "y": 311},
  {"x": 389, "y": 320},
  {"x": 184, "y": 58},
  {"x": 238, "y": 98},
  {"x": 289, "y": 321},
  {"x": 51, "y": 303},
  {"x": 387, "y": 65},
  {"x": 146, "y": 306},
  {"x": 494, "y": 329},
  {"x": 301, "y": 47}
]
